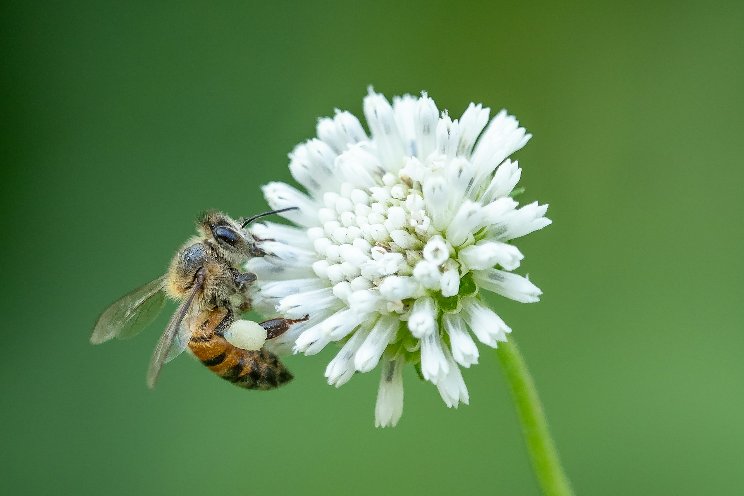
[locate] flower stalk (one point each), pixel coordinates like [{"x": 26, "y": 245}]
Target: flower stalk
[{"x": 542, "y": 450}]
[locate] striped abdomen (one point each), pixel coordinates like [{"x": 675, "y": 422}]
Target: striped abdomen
[{"x": 247, "y": 369}]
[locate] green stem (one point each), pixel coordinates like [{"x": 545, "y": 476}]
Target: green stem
[{"x": 543, "y": 453}]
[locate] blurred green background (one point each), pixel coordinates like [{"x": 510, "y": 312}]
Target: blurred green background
[{"x": 122, "y": 120}]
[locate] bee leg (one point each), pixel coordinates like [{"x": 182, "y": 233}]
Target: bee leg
[
  {"x": 277, "y": 327},
  {"x": 243, "y": 279},
  {"x": 262, "y": 239},
  {"x": 255, "y": 250}
]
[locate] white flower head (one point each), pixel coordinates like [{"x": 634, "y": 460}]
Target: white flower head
[{"x": 395, "y": 235}]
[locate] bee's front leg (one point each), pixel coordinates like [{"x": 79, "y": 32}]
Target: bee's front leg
[
  {"x": 255, "y": 250},
  {"x": 243, "y": 279}
]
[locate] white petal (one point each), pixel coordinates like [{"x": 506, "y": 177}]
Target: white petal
[
  {"x": 358, "y": 284},
  {"x": 381, "y": 121},
  {"x": 502, "y": 137},
  {"x": 423, "y": 318},
  {"x": 472, "y": 122},
  {"x": 291, "y": 255},
  {"x": 427, "y": 274},
  {"x": 352, "y": 254},
  {"x": 448, "y": 136},
  {"x": 414, "y": 169},
  {"x": 279, "y": 195},
  {"x": 359, "y": 165},
  {"x": 495, "y": 215},
  {"x": 502, "y": 184},
  {"x": 501, "y": 125},
  {"x": 266, "y": 271},
  {"x": 389, "y": 406},
  {"x": 434, "y": 366},
  {"x": 512, "y": 286},
  {"x": 404, "y": 108},
  {"x": 375, "y": 233},
  {"x": 364, "y": 301},
  {"x": 450, "y": 282},
  {"x": 485, "y": 324},
  {"x": 382, "y": 265},
  {"x": 342, "y": 291},
  {"x": 526, "y": 220},
  {"x": 461, "y": 175},
  {"x": 311, "y": 164},
  {"x": 464, "y": 350},
  {"x": 318, "y": 332},
  {"x": 342, "y": 323},
  {"x": 344, "y": 129},
  {"x": 379, "y": 337},
  {"x": 336, "y": 273},
  {"x": 317, "y": 346},
  {"x": 281, "y": 233},
  {"x": 341, "y": 368},
  {"x": 486, "y": 254},
  {"x": 427, "y": 117},
  {"x": 396, "y": 218},
  {"x": 436, "y": 197},
  {"x": 283, "y": 288},
  {"x": 452, "y": 387},
  {"x": 404, "y": 239},
  {"x": 465, "y": 222},
  {"x": 297, "y": 306},
  {"x": 261, "y": 304},
  {"x": 310, "y": 338},
  {"x": 436, "y": 250},
  {"x": 399, "y": 287}
]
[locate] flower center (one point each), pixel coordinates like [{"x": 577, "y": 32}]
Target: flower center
[{"x": 382, "y": 238}]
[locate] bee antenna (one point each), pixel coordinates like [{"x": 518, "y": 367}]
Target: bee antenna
[{"x": 264, "y": 214}]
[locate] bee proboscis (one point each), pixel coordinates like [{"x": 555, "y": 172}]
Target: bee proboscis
[{"x": 205, "y": 276}]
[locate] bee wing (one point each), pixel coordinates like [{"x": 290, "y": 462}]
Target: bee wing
[
  {"x": 163, "y": 348},
  {"x": 131, "y": 313},
  {"x": 180, "y": 340}
]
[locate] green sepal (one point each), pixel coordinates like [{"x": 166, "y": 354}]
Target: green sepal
[
  {"x": 445, "y": 337},
  {"x": 517, "y": 191},
  {"x": 417, "y": 367},
  {"x": 448, "y": 304},
  {"x": 400, "y": 334},
  {"x": 467, "y": 285},
  {"x": 409, "y": 343}
]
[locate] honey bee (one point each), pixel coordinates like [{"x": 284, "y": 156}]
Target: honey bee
[{"x": 205, "y": 277}]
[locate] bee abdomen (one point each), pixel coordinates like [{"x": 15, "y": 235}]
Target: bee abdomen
[{"x": 247, "y": 369}]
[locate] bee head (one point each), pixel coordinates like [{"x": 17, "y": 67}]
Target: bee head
[
  {"x": 229, "y": 235},
  {"x": 225, "y": 233}
]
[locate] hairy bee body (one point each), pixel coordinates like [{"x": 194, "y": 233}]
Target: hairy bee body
[
  {"x": 223, "y": 285},
  {"x": 247, "y": 369},
  {"x": 206, "y": 276}
]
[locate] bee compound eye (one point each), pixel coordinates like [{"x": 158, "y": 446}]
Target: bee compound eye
[{"x": 226, "y": 235}]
